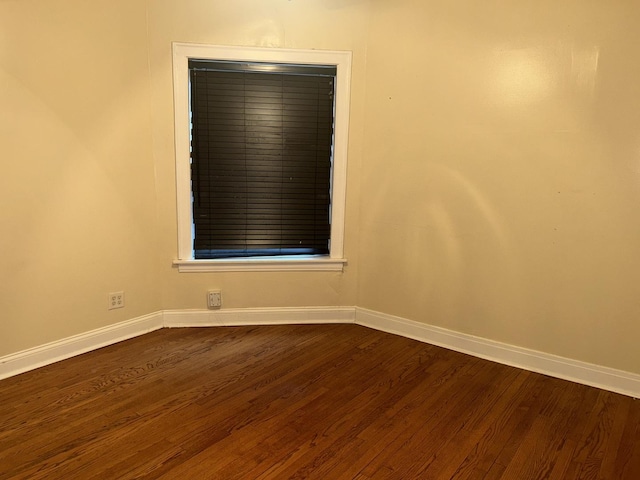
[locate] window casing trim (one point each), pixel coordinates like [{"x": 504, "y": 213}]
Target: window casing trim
[
  {"x": 182, "y": 52},
  {"x": 309, "y": 263}
]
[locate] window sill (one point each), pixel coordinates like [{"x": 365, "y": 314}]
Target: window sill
[{"x": 255, "y": 264}]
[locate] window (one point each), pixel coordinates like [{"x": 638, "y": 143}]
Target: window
[
  {"x": 261, "y": 142},
  {"x": 259, "y": 190}
]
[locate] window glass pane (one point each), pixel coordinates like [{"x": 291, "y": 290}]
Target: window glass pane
[{"x": 261, "y": 161}]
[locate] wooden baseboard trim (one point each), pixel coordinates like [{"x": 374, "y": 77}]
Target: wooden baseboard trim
[
  {"x": 258, "y": 316},
  {"x": 56, "y": 351},
  {"x": 42, "y": 355},
  {"x": 618, "y": 381}
]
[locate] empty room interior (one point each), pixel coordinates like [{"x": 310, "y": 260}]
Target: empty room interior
[{"x": 477, "y": 314}]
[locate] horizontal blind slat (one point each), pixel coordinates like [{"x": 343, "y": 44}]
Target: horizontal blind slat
[{"x": 261, "y": 162}]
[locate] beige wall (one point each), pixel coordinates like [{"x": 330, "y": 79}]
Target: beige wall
[
  {"x": 77, "y": 197},
  {"x": 321, "y": 24},
  {"x": 500, "y": 172},
  {"x": 493, "y": 168}
]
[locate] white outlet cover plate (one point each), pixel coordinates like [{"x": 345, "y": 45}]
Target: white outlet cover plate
[{"x": 214, "y": 298}]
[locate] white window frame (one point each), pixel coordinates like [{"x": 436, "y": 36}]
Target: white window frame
[{"x": 182, "y": 52}]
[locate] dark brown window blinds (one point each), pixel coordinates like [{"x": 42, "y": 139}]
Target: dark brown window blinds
[{"x": 261, "y": 150}]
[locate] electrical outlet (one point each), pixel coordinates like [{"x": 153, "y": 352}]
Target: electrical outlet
[
  {"x": 214, "y": 299},
  {"x": 116, "y": 300}
]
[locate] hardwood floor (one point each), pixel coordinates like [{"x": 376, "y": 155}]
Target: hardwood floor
[{"x": 295, "y": 402}]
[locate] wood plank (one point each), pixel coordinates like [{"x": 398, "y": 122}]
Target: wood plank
[{"x": 306, "y": 401}]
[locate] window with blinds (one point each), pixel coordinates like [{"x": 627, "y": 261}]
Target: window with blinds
[{"x": 261, "y": 150}]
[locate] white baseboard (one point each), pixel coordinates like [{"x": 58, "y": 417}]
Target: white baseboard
[
  {"x": 42, "y": 355},
  {"x": 70, "y": 347},
  {"x": 618, "y": 381},
  {"x": 258, "y": 316},
  {"x": 605, "y": 378}
]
